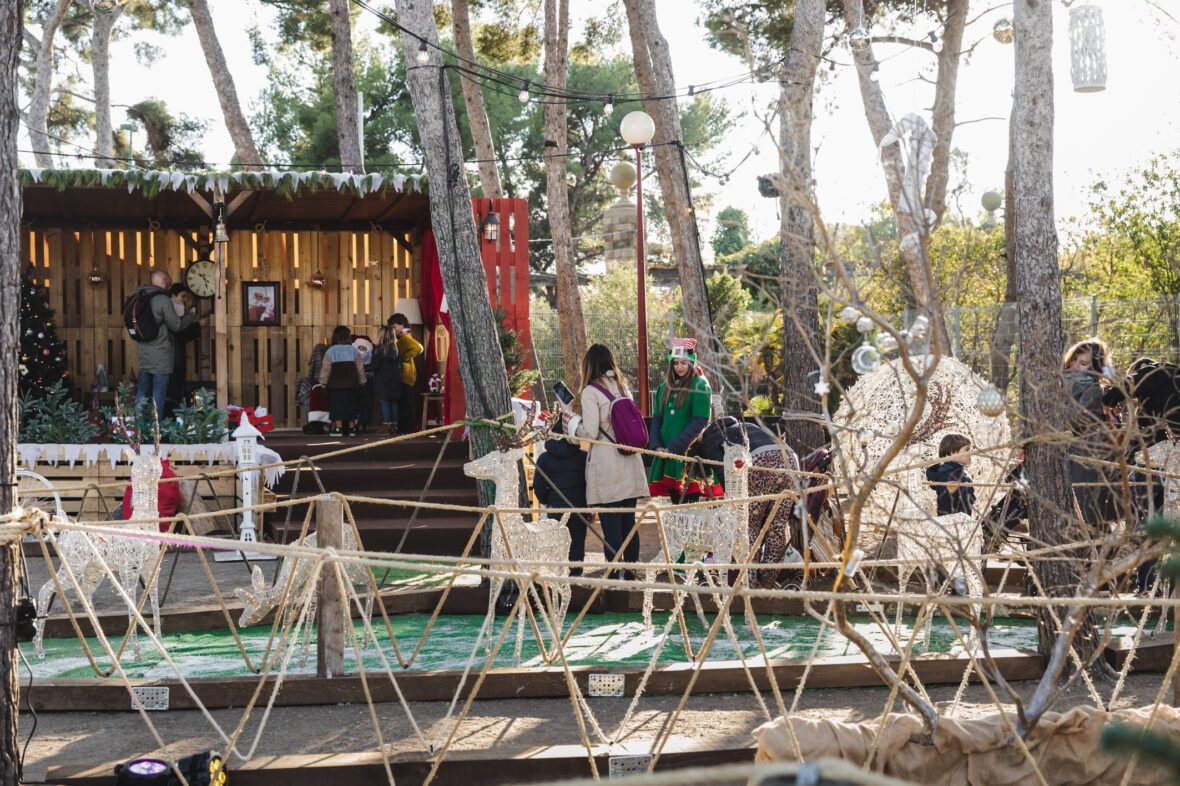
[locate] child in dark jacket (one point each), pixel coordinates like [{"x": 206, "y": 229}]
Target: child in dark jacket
[
  {"x": 951, "y": 483},
  {"x": 560, "y": 482}
]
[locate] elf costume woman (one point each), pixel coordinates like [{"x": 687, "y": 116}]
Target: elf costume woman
[{"x": 682, "y": 412}]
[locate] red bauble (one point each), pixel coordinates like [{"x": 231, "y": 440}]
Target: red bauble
[{"x": 45, "y": 352}]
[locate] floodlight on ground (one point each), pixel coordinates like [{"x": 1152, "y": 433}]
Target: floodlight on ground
[{"x": 201, "y": 769}]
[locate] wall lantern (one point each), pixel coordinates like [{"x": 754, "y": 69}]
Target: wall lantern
[
  {"x": 491, "y": 227},
  {"x": 318, "y": 281},
  {"x": 96, "y": 277}
]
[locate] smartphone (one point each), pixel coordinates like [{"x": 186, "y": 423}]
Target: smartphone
[{"x": 562, "y": 392}]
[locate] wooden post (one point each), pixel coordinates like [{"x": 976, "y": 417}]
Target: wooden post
[
  {"x": 333, "y": 608},
  {"x": 220, "y": 322}
]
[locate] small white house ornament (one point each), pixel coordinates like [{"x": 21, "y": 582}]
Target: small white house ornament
[{"x": 1087, "y": 49}]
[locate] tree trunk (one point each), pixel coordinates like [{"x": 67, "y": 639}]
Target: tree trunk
[
  {"x": 1038, "y": 289},
  {"x": 100, "y": 64},
  {"x": 38, "y": 111},
  {"x": 1005, "y": 335},
  {"x": 342, "y": 77},
  {"x": 477, "y": 113},
  {"x": 569, "y": 299},
  {"x": 908, "y": 226},
  {"x": 653, "y": 69},
  {"x": 803, "y": 427},
  {"x": 227, "y": 94},
  {"x": 481, "y": 364},
  {"x": 11, "y": 15},
  {"x": 943, "y": 121}
]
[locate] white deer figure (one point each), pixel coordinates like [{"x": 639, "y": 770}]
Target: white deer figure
[
  {"x": 85, "y": 554},
  {"x": 721, "y": 529},
  {"x": 546, "y": 540},
  {"x": 295, "y": 573}
]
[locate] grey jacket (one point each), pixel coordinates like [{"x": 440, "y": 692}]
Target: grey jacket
[{"x": 155, "y": 357}]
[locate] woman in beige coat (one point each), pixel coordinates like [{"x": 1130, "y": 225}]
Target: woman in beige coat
[{"x": 612, "y": 479}]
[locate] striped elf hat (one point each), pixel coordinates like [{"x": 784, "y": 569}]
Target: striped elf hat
[{"x": 683, "y": 349}]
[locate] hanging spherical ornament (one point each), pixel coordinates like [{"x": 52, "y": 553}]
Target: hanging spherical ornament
[
  {"x": 858, "y": 40},
  {"x": 849, "y": 314},
  {"x": 24, "y": 358},
  {"x": 990, "y": 402},
  {"x": 919, "y": 327},
  {"x": 1003, "y": 31},
  {"x": 57, "y": 359},
  {"x": 866, "y": 359},
  {"x": 40, "y": 335},
  {"x": 45, "y": 352},
  {"x": 865, "y": 325},
  {"x": 105, "y": 6},
  {"x": 886, "y": 343}
]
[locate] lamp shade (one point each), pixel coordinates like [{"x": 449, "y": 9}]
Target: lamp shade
[
  {"x": 637, "y": 128},
  {"x": 411, "y": 308}
]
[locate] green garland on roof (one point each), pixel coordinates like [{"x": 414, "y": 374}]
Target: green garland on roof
[{"x": 288, "y": 184}]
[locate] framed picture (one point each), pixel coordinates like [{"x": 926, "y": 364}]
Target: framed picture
[{"x": 262, "y": 303}]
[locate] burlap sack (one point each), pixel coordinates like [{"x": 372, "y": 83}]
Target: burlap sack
[{"x": 975, "y": 752}]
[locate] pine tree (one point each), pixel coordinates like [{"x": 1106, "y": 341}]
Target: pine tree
[{"x": 42, "y": 353}]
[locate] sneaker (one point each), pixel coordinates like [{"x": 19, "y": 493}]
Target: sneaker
[{"x": 336, "y": 432}]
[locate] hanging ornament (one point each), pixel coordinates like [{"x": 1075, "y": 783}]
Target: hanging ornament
[
  {"x": 849, "y": 314},
  {"x": 858, "y": 40},
  {"x": 45, "y": 352},
  {"x": 1004, "y": 31},
  {"x": 919, "y": 327},
  {"x": 318, "y": 281},
  {"x": 1087, "y": 49},
  {"x": 990, "y": 402},
  {"x": 886, "y": 343},
  {"x": 105, "y": 6},
  {"x": 866, "y": 359},
  {"x": 864, "y": 325},
  {"x": 40, "y": 335}
]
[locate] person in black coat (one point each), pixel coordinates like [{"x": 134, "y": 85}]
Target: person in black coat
[
  {"x": 951, "y": 483},
  {"x": 182, "y": 297},
  {"x": 560, "y": 482},
  {"x": 386, "y": 368}
]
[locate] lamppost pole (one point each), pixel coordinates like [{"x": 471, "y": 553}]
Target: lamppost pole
[
  {"x": 641, "y": 278},
  {"x": 637, "y": 130}
]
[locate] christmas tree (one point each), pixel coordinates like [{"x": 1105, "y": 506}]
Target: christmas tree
[{"x": 42, "y": 353}]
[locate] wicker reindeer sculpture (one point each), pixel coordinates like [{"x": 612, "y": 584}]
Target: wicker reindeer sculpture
[
  {"x": 720, "y": 529},
  {"x": 517, "y": 540},
  {"x": 88, "y": 556}
]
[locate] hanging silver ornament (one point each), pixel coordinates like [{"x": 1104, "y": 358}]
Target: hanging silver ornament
[
  {"x": 1003, "y": 31},
  {"x": 990, "y": 402},
  {"x": 865, "y": 325},
  {"x": 919, "y": 327},
  {"x": 858, "y": 40},
  {"x": 886, "y": 343},
  {"x": 866, "y": 359},
  {"x": 866, "y": 435},
  {"x": 849, "y": 314},
  {"x": 105, "y": 6}
]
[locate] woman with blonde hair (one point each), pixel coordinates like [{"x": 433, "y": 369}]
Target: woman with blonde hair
[{"x": 613, "y": 478}]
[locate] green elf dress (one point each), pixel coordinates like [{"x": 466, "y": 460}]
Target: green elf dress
[{"x": 675, "y": 427}]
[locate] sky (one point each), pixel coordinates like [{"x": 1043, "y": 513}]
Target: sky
[{"x": 1096, "y": 135}]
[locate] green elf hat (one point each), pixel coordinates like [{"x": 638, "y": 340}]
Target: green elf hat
[{"x": 683, "y": 349}]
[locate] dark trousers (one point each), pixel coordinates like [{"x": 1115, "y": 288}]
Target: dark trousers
[
  {"x": 616, "y": 527},
  {"x": 405, "y": 410},
  {"x": 576, "y": 524}
]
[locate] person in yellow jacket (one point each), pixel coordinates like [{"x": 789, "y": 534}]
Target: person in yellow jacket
[{"x": 407, "y": 350}]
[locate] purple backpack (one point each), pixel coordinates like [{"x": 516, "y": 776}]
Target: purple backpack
[{"x": 626, "y": 421}]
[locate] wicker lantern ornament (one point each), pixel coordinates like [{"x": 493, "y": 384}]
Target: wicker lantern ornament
[
  {"x": 866, "y": 359},
  {"x": 1087, "y": 49},
  {"x": 990, "y": 402}
]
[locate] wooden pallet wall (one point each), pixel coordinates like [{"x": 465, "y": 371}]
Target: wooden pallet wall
[{"x": 264, "y": 362}]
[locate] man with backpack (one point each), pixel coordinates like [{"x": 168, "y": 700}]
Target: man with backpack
[{"x": 152, "y": 321}]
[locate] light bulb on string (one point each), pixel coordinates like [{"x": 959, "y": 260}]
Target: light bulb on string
[
  {"x": 423, "y": 52},
  {"x": 608, "y": 108},
  {"x": 933, "y": 37},
  {"x": 523, "y": 96}
]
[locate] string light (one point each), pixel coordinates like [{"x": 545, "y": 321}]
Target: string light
[
  {"x": 933, "y": 37},
  {"x": 608, "y": 108},
  {"x": 423, "y": 52},
  {"x": 523, "y": 97}
]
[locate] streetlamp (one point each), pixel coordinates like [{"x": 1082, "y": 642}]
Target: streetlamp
[{"x": 637, "y": 130}]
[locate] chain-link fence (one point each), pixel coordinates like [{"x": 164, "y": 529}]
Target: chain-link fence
[{"x": 1131, "y": 328}]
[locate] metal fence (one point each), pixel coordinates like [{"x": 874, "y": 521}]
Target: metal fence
[{"x": 1131, "y": 328}]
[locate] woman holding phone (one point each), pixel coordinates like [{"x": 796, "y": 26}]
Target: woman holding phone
[{"x": 613, "y": 479}]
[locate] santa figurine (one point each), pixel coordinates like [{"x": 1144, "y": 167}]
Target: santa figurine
[{"x": 435, "y": 384}]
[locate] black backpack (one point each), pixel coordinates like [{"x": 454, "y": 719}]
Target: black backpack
[{"x": 138, "y": 317}]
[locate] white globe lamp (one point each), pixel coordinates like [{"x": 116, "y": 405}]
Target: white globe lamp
[{"x": 637, "y": 128}]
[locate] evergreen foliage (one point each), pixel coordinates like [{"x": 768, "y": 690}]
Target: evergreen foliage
[
  {"x": 520, "y": 378},
  {"x": 42, "y": 353},
  {"x": 51, "y": 415}
]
